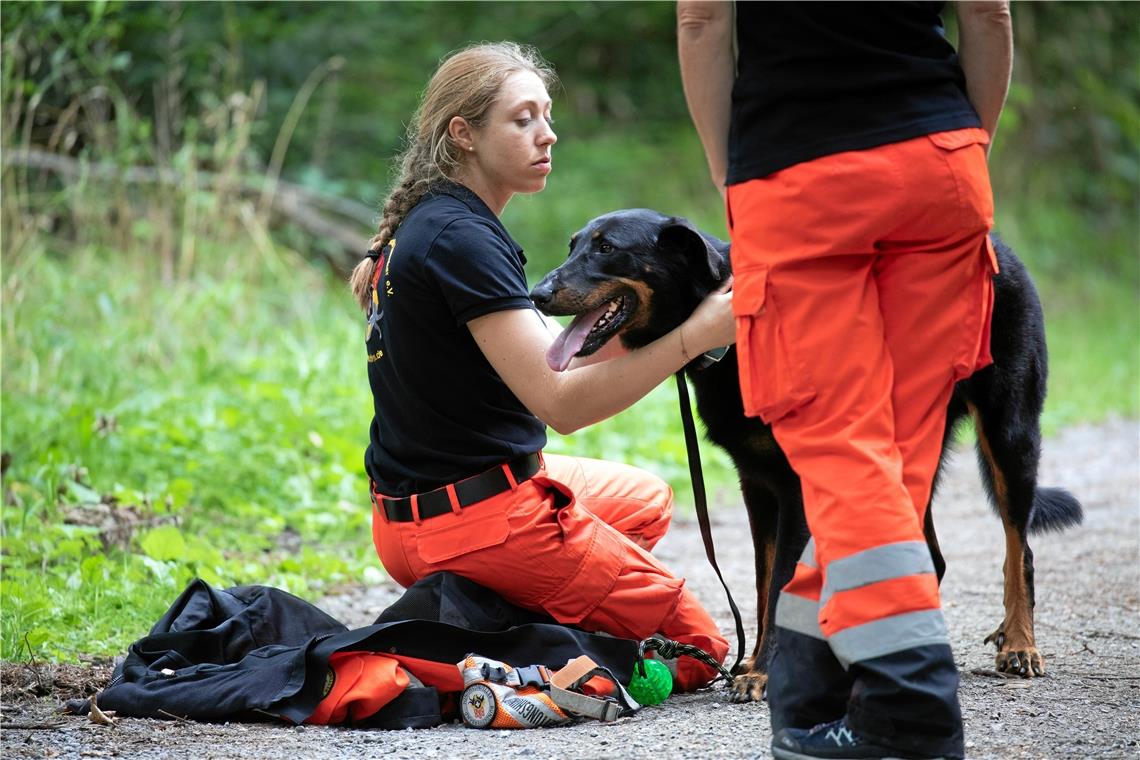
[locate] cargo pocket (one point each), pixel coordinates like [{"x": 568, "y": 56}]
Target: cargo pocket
[
  {"x": 963, "y": 151},
  {"x": 975, "y": 353},
  {"x": 457, "y": 534},
  {"x": 772, "y": 383},
  {"x": 595, "y": 554},
  {"x": 960, "y": 138}
]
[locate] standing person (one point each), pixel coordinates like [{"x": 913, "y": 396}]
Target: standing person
[
  {"x": 463, "y": 392},
  {"x": 851, "y": 141}
]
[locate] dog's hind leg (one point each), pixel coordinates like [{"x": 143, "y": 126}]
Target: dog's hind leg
[
  {"x": 763, "y": 513},
  {"x": 1009, "y": 448},
  {"x": 779, "y": 533}
]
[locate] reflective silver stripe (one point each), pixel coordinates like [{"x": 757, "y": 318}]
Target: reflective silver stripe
[
  {"x": 873, "y": 565},
  {"x": 808, "y": 556},
  {"x": 891, "y": 634},
  {"x": 798, "y": 614}
]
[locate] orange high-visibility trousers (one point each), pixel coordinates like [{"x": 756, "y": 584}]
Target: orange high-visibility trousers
[
  {"x": 863, "y": 292},
  {"x": 573, "y": 541}
]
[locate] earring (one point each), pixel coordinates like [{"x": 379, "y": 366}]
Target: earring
[{"x": 471, "y": 148}]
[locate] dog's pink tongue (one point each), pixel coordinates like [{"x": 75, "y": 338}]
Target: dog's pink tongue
[{"x": 566, "y": 346}]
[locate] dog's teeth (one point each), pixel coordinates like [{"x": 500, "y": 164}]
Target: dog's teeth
[{"x": 605, "y": 318}]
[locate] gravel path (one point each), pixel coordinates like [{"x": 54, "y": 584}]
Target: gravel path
[{"x": 1088, "y": 629}]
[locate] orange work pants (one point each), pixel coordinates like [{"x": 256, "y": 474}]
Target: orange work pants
[
  {"x": 863, "y": 292},
  {"x": 573, "y": 541}
]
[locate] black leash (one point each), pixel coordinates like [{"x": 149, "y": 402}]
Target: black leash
[
  {"x": 696, "y": 475},
  {"x": 669, "y": 650}
]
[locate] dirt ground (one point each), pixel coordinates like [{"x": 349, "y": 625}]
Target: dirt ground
[{"x": 1088, "y": 628}]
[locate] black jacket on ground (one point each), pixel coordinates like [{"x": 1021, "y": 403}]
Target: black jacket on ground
[{"x": 252, "y": 652}]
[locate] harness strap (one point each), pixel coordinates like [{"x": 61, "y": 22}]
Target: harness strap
[
  {"x": 575, "y": 671},
  {"x": 572, "y": 676},
  {"x": 696, "y": 475},
  {"x": 589, "y": 707}
]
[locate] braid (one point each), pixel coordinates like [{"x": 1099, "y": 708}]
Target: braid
[{"x": 416, "y": 177}]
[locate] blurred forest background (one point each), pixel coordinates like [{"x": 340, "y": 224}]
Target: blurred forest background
[{"x": 185, "y": 186}]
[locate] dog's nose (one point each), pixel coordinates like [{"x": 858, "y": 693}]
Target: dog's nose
[{"x": 543, "y": 293}]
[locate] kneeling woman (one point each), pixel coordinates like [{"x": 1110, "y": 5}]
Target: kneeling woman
[{"x": 463, "y": 392}]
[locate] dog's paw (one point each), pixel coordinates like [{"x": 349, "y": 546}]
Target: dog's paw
[
  {"x": 1016, "y": 659},
  {"x": 749, "y": 687},
  {"x": 1026, "y": 662},
  {"x": 745, "y": 667}
]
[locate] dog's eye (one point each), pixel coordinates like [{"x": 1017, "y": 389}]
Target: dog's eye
[{"x": 605, "y": 248}]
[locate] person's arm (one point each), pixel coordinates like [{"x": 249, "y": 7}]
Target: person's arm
[
  {"x": 704, "y": 46},
  {"x": 985, "y": 49},
  {"x": 515, "y": 344}
]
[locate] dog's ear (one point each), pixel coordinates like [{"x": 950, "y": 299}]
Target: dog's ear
[{"x": 680, "y": 236}]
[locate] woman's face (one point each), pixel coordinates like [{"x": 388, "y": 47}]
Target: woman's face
[{"x": 510, "y": 152}]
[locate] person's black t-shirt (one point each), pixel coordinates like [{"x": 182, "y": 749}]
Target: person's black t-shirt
[
  {"x": 441, "y": 411},
  {"x": 817, "y": 78}
]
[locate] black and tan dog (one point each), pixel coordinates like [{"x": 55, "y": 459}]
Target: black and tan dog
[{"x": 637, "y": 274}]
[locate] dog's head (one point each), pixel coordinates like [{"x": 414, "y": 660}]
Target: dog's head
[{"x": 635, "y": 274}]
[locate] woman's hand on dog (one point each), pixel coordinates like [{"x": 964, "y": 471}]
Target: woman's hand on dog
[{"x": 712, "y": 324}]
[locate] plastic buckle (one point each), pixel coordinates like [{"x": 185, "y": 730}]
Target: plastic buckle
[
  {"x": 533, "y": 675},
  {"x": 493, "y": 673}
]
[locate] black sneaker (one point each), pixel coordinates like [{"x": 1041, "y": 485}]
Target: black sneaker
[{"x": 834, "y": 741}]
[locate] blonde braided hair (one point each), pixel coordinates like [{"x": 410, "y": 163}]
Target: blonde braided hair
[{"x": 465, "y": 84}]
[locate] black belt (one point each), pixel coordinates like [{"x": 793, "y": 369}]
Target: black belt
[{"x": 468, "y": 491}]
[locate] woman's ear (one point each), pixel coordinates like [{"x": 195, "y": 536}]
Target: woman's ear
[{"x": 461, "y": 133}]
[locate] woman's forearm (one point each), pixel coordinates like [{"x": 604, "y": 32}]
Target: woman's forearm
[
  {"x": 704, "y": 46},
  {"x": 985, "y": 50}
]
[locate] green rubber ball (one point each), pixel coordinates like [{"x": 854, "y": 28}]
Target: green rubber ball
[{"x": 655, "y": 686}]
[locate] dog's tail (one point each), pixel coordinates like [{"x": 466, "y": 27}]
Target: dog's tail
[{"x": 1054, "y": 509}]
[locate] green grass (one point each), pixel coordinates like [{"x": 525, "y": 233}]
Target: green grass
[
  {"x": 223, "y": 414},
  {"x": 1088, "y": 277},
  {"x": 232, "y": 404}
]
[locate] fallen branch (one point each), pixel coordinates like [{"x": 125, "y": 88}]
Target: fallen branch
[
  {"x": 308, "y": 209},
  {"x": 171, "y": 715}
]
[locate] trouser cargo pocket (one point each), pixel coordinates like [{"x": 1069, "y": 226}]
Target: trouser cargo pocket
[
  {"x": 975, "y": 351},
  {"x": 773, "y": 383},
  {"x": 590, "y": 558}
]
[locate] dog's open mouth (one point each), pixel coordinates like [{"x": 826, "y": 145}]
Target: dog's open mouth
[{"x": 588, "y": 332}]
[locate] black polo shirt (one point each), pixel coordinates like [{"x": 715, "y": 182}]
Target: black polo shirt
[
  {"x": 441, "y": 411},
  {"x": 817, "y": 78}
]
